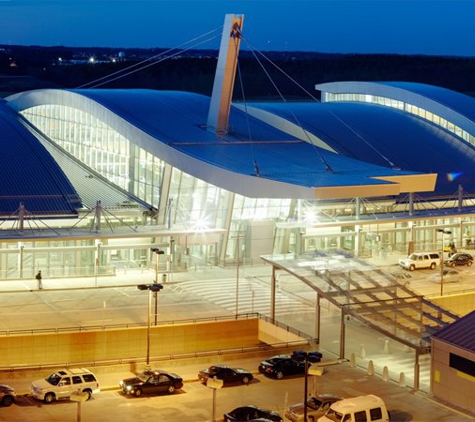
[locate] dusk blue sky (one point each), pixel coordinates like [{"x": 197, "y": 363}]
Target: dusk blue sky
[{"x": 430, "y": 27}]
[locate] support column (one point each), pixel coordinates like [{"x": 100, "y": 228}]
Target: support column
[
  {"x": 272, "y": 294},
  {"x": 460, "y": 198},
  {"x": 342, "y": 334},
  {"x": 416, "y": 371},
  {"x": 317, "y": 317}
]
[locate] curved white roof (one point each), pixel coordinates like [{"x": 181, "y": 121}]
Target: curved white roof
[{"x": 254, "y": 159}]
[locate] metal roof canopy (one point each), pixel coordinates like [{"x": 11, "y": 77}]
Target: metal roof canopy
[{"x": 367, "y": 294}]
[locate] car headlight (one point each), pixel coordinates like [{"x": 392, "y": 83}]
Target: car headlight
[
  {"x": 129, "y": 387},
  {"x": 121, "y": 384}
]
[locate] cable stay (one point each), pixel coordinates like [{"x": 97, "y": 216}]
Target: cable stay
[
  {"x": 24, "y": 215},
  {"x": 390, "y": 163},
  {"x": 317, "y": 152},
  {"x": 151, "y": 61}
]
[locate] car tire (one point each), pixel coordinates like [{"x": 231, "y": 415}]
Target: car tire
[
  {"x": 279, "y": 375},
  {"x": 469, "y": 263},
  {"x": 245, "y": 380},
  {"x": 412, "y": 268},
  {"x": 7, "y": 401},
  {"x": 89, "y": 394},
  {"x": 137, "y": 392},
  {"x": 171, "y": 389},
  {"x": 432, "y": 266},
  {"x": 49, "y": 398},
  {"x": 311, "y": 419}
]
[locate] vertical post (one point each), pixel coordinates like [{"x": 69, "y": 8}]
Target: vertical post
[
  {"x": 238, "y": 254},
  {"x": 214, "y": 405},
  {"x": 443, "y": 231},
  {"x": 156, "y": 282},
  {"x": 416, "y": 371},
  {"x": 317, "y": 317},
  {"x": 305, "y": 390},
  {"x": 78, "y": 415},
  {"x": 148, "y": 326},
  {"x": 342, "y": 334},
  {"x": 272, "y": 294}
]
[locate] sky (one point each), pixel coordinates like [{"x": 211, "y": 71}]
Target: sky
[{"x": 427, "y": 27}]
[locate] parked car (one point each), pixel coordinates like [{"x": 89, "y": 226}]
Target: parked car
[
  {"x": 316, "y": 407},
  {"x": 63, "y": 383},
  {"x": 7, "y": 395},
  {"x": 153, "y": 381},
  {"x": 418, "y": 260},
  {"x": 282, "y": 365},
  {"x": 459, "y": 258},
  {"x": 402, "y": 276},
  {"x": 449, "y": 275},
  {"x": 225, "y": 373},
  {"x": 251, "y": 413}
]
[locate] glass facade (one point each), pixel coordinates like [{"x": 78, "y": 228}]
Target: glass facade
[
  {"x": 183, "y": 201},
  {"x": 251, "y": 227},
  {"x": 400, "y": 105}
]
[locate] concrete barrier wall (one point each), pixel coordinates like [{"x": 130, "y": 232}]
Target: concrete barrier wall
[
  {"x": 62, "y": 348},
  {"x": 460, "y": 304},
  {"x": 272, "y": 334}
]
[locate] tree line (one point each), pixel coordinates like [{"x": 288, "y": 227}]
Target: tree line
[{"x": 31, "y": 67}]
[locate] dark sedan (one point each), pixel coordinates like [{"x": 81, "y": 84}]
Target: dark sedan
[
  {"x": 152, "y": 381},
  {"x": 459, "y": 259},
  {"x": 282, "y": 365},
  {"x": 251, "y": 413},
  {"x": 225, "y": 373}
]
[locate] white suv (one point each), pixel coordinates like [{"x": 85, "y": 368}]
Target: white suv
[
  {"x": 64, "y": 383},
  {"x": 419, "y": 260}
]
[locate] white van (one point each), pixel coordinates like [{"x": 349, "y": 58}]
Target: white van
[{"x": 368, "y": 408}]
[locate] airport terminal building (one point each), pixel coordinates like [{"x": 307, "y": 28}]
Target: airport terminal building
[
  {"x": 97, "y": 177},
  {"x": 93, "y": 179},
  {"x": 97, "y": 180}
]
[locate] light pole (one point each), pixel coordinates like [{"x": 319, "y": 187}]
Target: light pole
[
  {"x": 155, "y": 288},
  {"x": 443, "y": 231},
  {"x": 158, "y": 252},
  {"x": 306, "y": 357}
]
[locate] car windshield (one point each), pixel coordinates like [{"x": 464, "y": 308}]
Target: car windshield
[
  {"x": 54, "y": 379},
  {"x": 143, "y": 377},
  {"x": 314, "y": 403},
  {"x": 413, "y": 257},
  {"x": 334, "y": 416}
]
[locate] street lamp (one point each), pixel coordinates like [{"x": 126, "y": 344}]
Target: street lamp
[
  {"x": 443, "y": 231},
  {"x": 307, "y": 357},
  {"x": 152, "y": 288},
  {"x": 158, "y": 252}
]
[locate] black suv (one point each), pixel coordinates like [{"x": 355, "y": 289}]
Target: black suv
[
  {"x": 151, "y": 381},
  {"x": 459, "y": 258}
]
